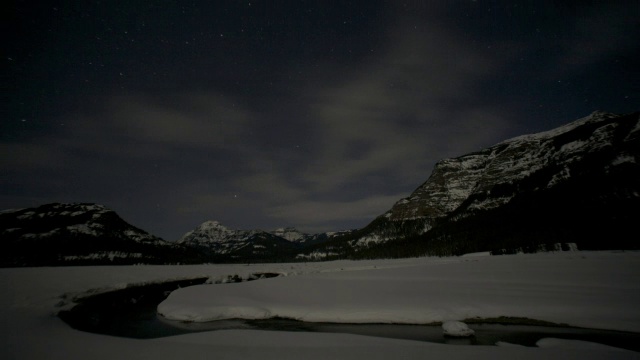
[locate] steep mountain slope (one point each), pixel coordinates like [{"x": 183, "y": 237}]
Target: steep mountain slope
[
  {"x": 79, "y": 234},
  {"x": 577, "y": 183}
]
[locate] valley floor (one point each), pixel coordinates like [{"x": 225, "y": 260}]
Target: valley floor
[{"x": 589, "y": 289}]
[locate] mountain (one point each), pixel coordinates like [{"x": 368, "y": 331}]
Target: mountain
[
  {"x": 221, "y": 244},
  {"x": 576, "y": 184},
  {"x": 304, "y": 239},
  {"x": 579, "y": 183},
  {"x": 80, "y": 234}
]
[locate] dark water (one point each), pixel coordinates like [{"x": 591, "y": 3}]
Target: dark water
[
  {"x": 485, "y": 334},
  {"x": 132, "y": 313}
]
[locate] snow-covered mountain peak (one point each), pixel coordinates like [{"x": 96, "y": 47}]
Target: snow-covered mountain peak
[
  {"x": 211, "y": 225},
  {"x": 594, "y": 117},
  {"x": 289, "y": 233},
  {"x": 208, "y": 231}
]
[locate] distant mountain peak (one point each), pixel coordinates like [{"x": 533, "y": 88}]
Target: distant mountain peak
[
  {"x": 289, "y": 233},
  {"x": 226, "y": 244},
  {"x": 212, "y": 224}
]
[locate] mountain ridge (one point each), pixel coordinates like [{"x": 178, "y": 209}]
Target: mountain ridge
[
  {"x": 591, "y": 161},
  {"x": 223, "y": 244},
  {"x": 578, "y": 183}
]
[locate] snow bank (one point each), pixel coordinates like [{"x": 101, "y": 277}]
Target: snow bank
[
  {"x": 457, "y": 329},
  {"x": 482, "y": 253},
  {"x": 595, "y": 290}
]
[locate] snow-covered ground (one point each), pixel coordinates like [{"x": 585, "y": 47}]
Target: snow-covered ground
[{"x": 594, "y": 289}]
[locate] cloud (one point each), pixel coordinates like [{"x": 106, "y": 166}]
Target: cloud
[
  {"x": 272, "y": 187},
  {"x": 133, "y": 150},
  {"x": 127, "y": 134},
  {"x": 192, "y": 120},
  {"x": 376, "y": 130},
  {"x": 316, "y": 215},
  {"x": 396, "y": 114},
  {"x": 28, "y": 156}
]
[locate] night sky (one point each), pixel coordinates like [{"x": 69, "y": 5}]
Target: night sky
[{"x": 313, "y": 114}]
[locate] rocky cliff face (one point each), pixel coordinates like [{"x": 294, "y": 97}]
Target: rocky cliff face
[
  {"x": 554, "y": 153},
  {"x": 588, "y": 169}
]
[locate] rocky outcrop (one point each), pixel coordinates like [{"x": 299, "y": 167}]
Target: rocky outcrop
[{"x": 552, "y": 155}]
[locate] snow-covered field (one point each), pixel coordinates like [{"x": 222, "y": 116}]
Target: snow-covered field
[{"x": 591, "y": 289}]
